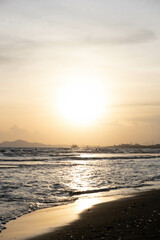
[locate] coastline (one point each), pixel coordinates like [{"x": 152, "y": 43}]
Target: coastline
[
  {"x": 136, "y": 217},
  {"x": 127, "y": 217},
  {"x": 46, "y": 220}
]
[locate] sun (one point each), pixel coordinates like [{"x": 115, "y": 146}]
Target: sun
[{"x": 81, "y": 101}]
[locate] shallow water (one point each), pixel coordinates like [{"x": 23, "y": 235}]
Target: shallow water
[{"x": 32, "y": 179}]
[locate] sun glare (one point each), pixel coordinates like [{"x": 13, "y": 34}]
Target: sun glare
[{"x": 81, "y": 101}]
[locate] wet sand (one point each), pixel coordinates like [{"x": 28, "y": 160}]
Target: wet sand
[{"x": 136, "y": 217}]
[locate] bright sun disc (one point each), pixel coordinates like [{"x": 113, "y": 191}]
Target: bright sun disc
[{"x": 81, "y": 102}]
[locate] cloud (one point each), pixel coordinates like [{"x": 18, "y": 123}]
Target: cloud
[
  {"x": 99, "y": 35},
  {"x": 4, "y": 59},
  {"x": 3, "y": 1},
  {"x": 14, "y": 48},
  {"x": 120, "y": 35},
  {"x": 147, "y": 122},
  {"x": 152, "y": 120},
  {"x": 138, "y": 104},
  {"x": 19, "y": 132},
  {"x": 121, "y": 123},
  {"x": 15, "y": 133},
  {"x": 25, "y": 47}
]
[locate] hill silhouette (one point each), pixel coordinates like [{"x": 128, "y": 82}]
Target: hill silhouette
[{"x": 23, "y": 144}]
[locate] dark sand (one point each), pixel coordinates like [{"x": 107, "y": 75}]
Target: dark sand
[{"x": 130, "y": 218}]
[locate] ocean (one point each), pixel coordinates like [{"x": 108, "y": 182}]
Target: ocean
[{"x": 36, "y": 178}]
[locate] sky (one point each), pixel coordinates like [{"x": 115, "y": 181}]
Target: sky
[{"x": 80, "y": 72}]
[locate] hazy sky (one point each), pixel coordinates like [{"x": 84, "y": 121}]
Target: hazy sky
[{"x": 47, "y": 45}]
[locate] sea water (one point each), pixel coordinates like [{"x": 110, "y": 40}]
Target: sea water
[{"x": 36, "y": 178}]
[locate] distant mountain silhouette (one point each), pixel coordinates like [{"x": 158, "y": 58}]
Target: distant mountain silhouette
[
  {"x": 138, "y": 146},
  {"x": 23, "y": 144}
]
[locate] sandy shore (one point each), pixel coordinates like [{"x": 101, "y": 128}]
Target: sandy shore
[{"x": 137, "y": 217}]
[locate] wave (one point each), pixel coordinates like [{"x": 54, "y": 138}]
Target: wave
[
  {"x": 72, "y": 193},
  {"x": 117, "y": 157},
  {"x": 80, "y": 158}
]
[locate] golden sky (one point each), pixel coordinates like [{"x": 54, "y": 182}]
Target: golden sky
[{"x": 80, "y": 72}]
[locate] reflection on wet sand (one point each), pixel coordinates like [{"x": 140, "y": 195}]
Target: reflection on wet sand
[{"x": 46, "y": 220}]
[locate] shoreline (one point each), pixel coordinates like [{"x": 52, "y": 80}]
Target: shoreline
[
  {"x": 128, "y": 217},
  {"x": 43, "y": 221},
  {"x": 136, "y": 217}
]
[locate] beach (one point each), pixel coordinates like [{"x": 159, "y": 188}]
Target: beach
[{"x": 136, "y": 217}]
